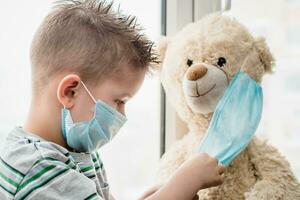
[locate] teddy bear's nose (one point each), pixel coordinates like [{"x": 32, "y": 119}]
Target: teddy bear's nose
[{"x": 195, "y": 72}]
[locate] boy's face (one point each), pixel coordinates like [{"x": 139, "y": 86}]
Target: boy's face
[{"x": 115, "y": 91}]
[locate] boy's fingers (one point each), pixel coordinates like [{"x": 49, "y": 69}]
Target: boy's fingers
[
  {"x": 221, "y": 169},
  {"x": 219, "y": 180},
  {"x": 208, "y": 157}
]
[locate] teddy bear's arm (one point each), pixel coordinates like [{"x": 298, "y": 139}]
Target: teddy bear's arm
[{"x": 275, "y": 179}]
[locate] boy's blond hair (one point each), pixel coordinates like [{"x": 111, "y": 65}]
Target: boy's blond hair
[{"x": 87, "y": 38}]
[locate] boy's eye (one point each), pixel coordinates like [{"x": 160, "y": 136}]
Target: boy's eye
[{"x": 120, "y": 102}]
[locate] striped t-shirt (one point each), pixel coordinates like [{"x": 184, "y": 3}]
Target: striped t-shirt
[{"x": 33, "y": 168}]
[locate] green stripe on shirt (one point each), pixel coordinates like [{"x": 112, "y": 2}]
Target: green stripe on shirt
[
  {"x": 15, "y": 171},
  {"x": 41, "y": 168},
  {"x": 36, "y": 176},
  {"x": 85, "y": 169},
  {"x": 7, "y": 190},
  {"x": 42, "y": 183},
  {"x": 10, "y": 181},
  {"x": 92, "y": 196}
]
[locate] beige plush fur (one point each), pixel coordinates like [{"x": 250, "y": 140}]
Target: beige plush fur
[{"x": 260, "y": 171}]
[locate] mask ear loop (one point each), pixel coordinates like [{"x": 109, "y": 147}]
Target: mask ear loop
[{"x": 89, "y": 93}]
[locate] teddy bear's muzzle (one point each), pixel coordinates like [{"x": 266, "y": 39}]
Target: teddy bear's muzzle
[{"x": 203, "y": 86}]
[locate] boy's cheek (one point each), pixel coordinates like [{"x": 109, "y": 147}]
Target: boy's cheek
[{"x": 81, "y": 115}]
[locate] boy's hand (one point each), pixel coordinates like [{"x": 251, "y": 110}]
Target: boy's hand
[
  {"x": 199, "y": 172},
  {"x": 202, "y": 171}
]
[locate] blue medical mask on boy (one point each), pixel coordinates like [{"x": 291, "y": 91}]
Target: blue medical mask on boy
[
  {"x": 235, "y": 119},
  {"x": 89, "y": 136}
]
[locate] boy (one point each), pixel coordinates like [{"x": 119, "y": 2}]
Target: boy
[{"x": 87, "y": 62}]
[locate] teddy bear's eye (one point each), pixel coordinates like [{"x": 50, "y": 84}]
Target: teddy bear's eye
[
  {"x": 189, "y": 62},
  {"x": 221, "y": 62}
]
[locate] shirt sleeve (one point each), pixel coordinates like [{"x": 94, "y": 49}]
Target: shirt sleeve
[{"x": 52, "y": 179}]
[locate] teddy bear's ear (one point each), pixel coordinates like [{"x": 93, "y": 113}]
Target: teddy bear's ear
[
  {"x": 160, "y": 50},
  {"x": 264, "y": 54}
]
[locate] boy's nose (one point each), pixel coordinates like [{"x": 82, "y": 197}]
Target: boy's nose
[{"x": 196, "y": 72}]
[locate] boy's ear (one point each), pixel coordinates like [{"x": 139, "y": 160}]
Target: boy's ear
[
  {"x": 265, "y": 55},
  {"x": 160, "y": 49},
  {"x": 67, "y": 89}
]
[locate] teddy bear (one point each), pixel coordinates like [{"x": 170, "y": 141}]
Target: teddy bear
[{"x": 196, "y": 66}]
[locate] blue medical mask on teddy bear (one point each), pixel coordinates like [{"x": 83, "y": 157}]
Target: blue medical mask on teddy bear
[
  {"x": 235, "y": 119},
  {"x": 89, "y": 136}
]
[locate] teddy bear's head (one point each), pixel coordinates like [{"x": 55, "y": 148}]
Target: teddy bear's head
[{"x": 198, "y": 63}]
